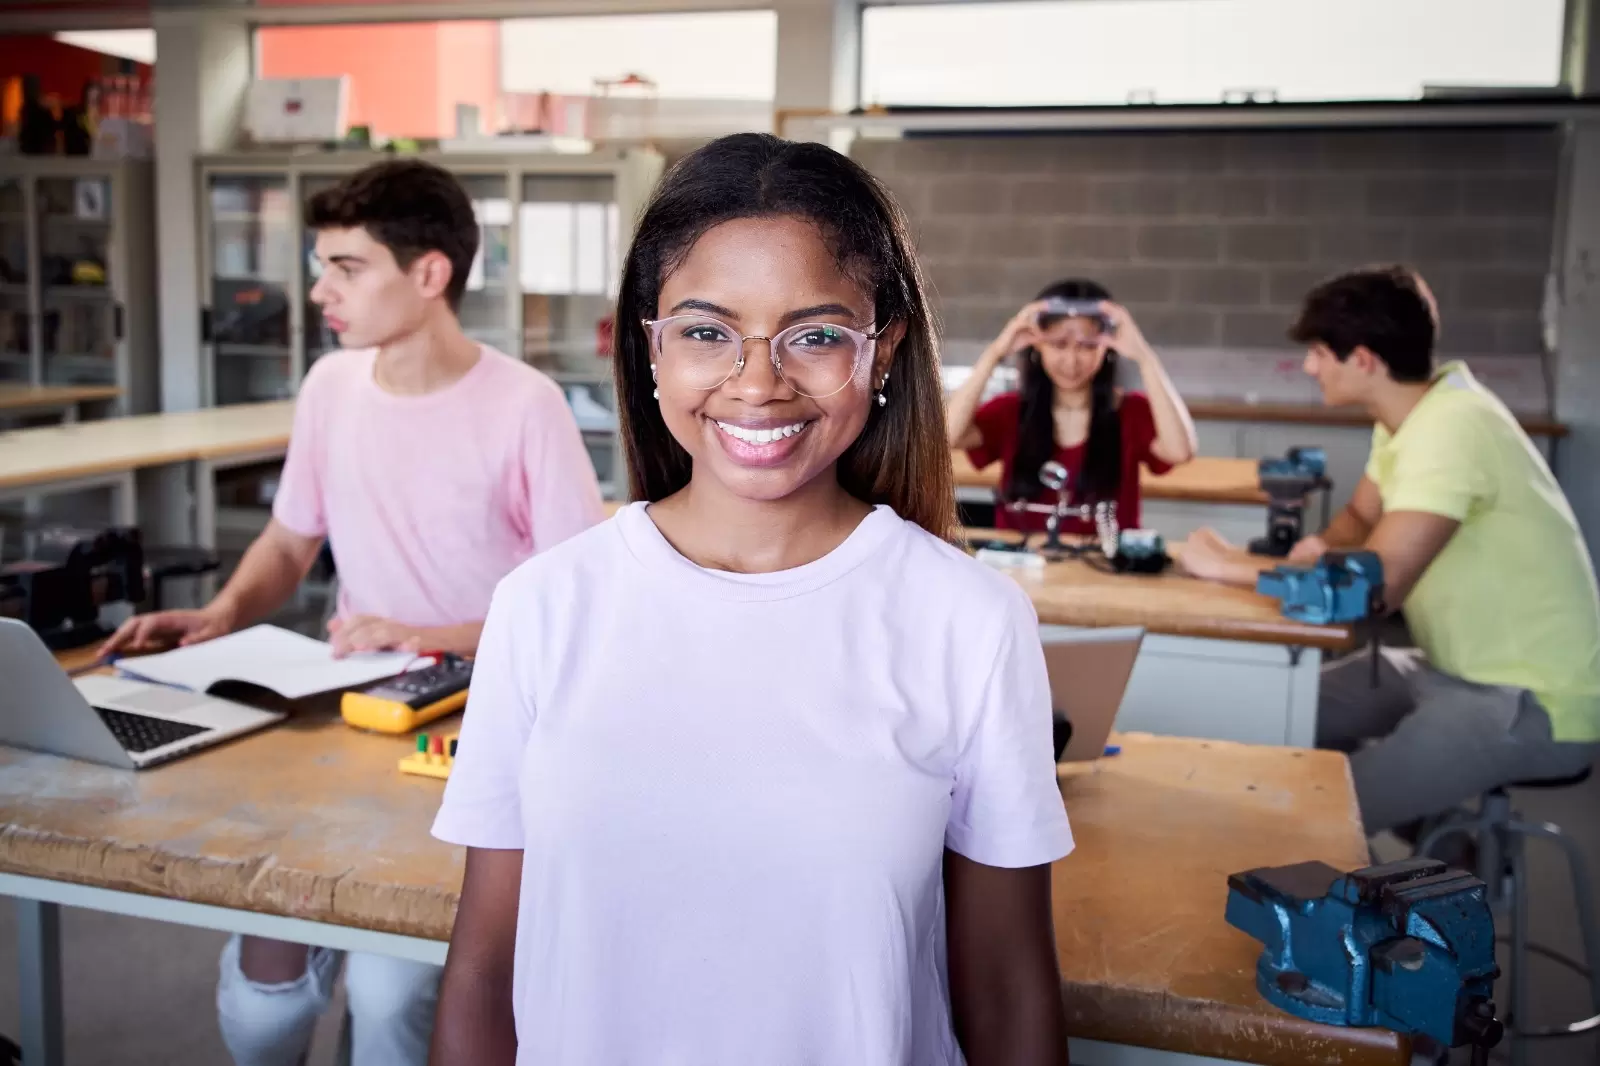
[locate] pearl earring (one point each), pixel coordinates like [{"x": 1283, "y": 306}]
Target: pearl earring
[
  {"x": 883, "y": 401},
  {"x": 655, "y": 394}
]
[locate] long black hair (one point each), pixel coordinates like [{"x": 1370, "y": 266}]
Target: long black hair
[
  {"x": 1101, "y": 477},
  {"x": 902, "y": 457}
]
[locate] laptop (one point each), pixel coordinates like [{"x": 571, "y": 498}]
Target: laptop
[
  {"x": 1089, "y": 671},
  {"x": 108, "y": 720}
]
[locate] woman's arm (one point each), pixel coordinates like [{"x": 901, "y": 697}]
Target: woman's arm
[
  {"x": 1020, "y": 332},
  {"x": 1005, "y": 985},
  {"x": 474, "y": 1024},
  {"x": 1175, "y": 441}
]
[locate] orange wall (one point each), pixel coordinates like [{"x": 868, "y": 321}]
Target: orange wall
[
  {"x": 469, "y": 72},
  {"x": 405, "y": 78}
]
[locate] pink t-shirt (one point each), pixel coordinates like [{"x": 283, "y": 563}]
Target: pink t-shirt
[
  {"x": 428, "y": 501},
  {"x": 733, "y": 792}
]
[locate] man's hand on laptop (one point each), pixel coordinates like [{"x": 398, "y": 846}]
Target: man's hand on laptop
[
  {"x": 365, "y": 632},
  {"x": 162, "y": 629}
]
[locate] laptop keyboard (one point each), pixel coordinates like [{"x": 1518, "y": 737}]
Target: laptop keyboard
[{"x": 140, "y": 733}]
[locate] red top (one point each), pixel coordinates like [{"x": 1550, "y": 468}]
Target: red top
[{"x": 997, "y": 424}]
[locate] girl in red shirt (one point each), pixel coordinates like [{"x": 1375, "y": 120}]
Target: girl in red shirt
[{"x": 1070, "y": 410}]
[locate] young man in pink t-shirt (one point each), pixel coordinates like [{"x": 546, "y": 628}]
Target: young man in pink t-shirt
[{"x": 432, "y": 465}]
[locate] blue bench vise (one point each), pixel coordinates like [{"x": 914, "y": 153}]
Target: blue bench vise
[
  {"x": 1408, "y": 946},
  {"x": 1287, "y": 482},
  {"x": 1339, "y": 587}
]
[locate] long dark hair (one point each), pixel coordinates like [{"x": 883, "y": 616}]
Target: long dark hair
[
  {"x": 902, "y": 457},
  {"x": 1101, "y": 478}
]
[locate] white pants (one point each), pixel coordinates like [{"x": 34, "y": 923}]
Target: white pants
[{"x": 391, "y": 1004}]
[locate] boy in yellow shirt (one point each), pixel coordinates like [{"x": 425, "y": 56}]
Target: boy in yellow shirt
[{"x": 1478, "y": 546}]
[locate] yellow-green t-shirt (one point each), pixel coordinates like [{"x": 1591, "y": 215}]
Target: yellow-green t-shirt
[{"x": 1511, "y": 599}]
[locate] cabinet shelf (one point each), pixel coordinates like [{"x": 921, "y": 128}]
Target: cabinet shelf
[
  {"x": 78, "y": 293},
  {"x": 45, "y": 234}
]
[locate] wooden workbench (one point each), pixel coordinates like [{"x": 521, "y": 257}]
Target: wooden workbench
[
  {"x": 1075, "y": 593},
  {"x": 1208, "y": 491},
  {"x": 47, "y": 454},
  {"x": 311, "y": 820},
  {"x": 1316, "y": 414},
  {"x": 1145, "y": 955},
  {"x": 1203, "y": 479},
  {"x": 65, "y": 400}
]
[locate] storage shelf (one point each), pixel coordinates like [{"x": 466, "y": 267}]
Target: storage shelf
[
  {"x": 250, "y": 279},
  {"x": 43, "y": 227},
  {"x": 226, "y": 349},
  {"x": 74, "y": 220},
  {"x": 78, "y": 293}
]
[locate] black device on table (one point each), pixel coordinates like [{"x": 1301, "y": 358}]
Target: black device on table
[
  {"x": 67, "y": 576},
  {"x": 1061, "y": 727},
  {"x": 1287, "y": 482}
]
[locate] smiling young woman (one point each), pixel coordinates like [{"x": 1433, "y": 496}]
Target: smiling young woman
[{"x": 759, "y": 770}]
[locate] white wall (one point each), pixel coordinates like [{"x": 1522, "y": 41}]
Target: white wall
[{"x": 200, "y": 86}]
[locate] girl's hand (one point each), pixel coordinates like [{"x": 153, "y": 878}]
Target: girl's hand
[
  {"x": 1019, "y": 333},
  {"x": 1126, "y": 337}
]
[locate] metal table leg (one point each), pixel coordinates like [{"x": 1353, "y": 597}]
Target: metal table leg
[{"x": 39, "y": 959}]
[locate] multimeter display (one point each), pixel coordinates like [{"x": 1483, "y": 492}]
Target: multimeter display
[{"x": 411, "y": 700}]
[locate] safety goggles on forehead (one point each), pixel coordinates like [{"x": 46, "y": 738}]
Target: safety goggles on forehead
[{"x": 816, "y": 359}]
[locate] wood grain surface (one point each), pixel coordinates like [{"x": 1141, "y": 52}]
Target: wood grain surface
[
  {"x": 1075, "y": 592},
  {"x": 27, "y": 397},
  {"x": 312, "y": 820},
  {"x": 1205, "y": 479},
  {"x": 44, "y": 454},
  {"x": 1146, "y": 957},
  {"x": 309, "y": 819},
  {"x": 1314, "y": 414}
]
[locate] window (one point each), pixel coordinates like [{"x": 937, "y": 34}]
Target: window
[
  {"x": 1202, "y": 51},
  {"x": 723, "y": 55},
  {"x": 137, "y": 45}
]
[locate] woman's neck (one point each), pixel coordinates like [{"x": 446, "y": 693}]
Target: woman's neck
[
  {"x": 716, "y": 529},
  {"x": 1073, "y": 401}
]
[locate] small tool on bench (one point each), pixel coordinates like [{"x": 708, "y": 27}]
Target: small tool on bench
[{"x": 1287, "y": 482}]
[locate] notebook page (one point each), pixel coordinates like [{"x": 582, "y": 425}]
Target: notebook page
[{"x": 277, "y": 659}]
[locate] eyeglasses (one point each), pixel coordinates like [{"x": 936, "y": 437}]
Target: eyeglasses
[{"x": 815, "y": 359}]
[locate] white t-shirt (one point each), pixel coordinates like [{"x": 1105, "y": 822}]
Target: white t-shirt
[{"x": 733, "y": 792}]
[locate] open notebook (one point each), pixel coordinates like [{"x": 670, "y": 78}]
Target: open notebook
[{"x": 281, "y": 661}]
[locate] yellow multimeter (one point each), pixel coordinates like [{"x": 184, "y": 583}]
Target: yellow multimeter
[{"x": 411, "y": 700}]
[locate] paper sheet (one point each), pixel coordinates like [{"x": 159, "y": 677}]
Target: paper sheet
[{"x": 287, "y": 663}]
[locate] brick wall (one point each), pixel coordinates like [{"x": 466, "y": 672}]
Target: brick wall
[{"x": 1211, "y": 239}]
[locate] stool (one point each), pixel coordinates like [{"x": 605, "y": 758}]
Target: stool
[
  {"x": 161, "y": 564},
  {"x": 1499, "y": 833}
]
